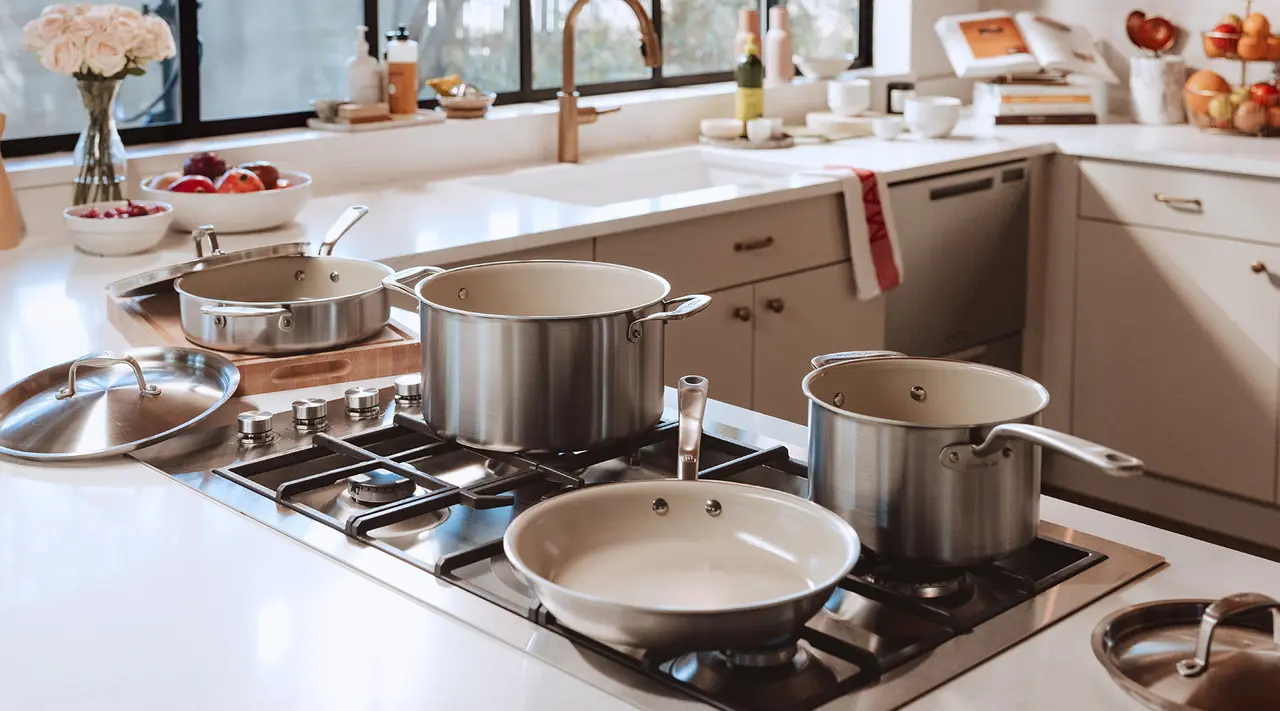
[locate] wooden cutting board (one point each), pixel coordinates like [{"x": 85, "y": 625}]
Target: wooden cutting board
[{"x": 155, "y": 321}]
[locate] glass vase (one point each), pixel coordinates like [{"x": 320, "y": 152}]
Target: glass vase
[{"x": 99, "y": 154}]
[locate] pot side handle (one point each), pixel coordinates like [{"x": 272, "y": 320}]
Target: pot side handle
[
  {"x": 687, "y": 306},
  {"x": 846, "y": 356},
  {"x": 1108, "y": 460},
  {"x": 400, "y": 280}
]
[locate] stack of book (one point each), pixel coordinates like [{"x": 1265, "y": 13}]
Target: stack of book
[{"x": 1034, "y": 101}]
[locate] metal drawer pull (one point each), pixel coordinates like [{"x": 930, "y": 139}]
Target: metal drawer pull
[
  {"x": 1258, "y": 267},
  {"x": 753, "y": 245},
  {"x": 742, "y": 313},
  {"x": 775, "y": 305},
  {"x": 1179, "y": 201}
]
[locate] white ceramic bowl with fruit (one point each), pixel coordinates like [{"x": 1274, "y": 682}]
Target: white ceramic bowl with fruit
[
  {"x": 118, "y": 228},
  {"x": 248, "y": 198}
]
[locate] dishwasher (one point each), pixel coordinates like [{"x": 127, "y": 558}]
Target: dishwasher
[{"x": 963, "y": 238}]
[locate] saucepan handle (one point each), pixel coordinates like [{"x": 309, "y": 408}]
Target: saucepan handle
[
  {"x": 691, "y": 397},
  {"x": 1237, "y": 604},
  {"x": 345, "y": 222},
  {"x": 401, "y": 280},
  {"x": 1107, "y": 459},
  {"x": 685, "y": 306},
  {"x": 846, "y": 356},
  {"x": 104, "y": 359}
]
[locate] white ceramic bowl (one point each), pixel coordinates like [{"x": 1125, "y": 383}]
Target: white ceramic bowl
[
  {"x": 823, "y": 67},
  {"x": 932, "y": 116},
  {"x": 887, "y": 127},
  {"x": 237, "y": 212},
  {"x": 117, "y": 236},
  {"x": 848, "y": 98}
]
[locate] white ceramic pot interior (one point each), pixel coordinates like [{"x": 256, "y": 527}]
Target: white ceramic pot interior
[
  {"x": 933, "y": 393},
  {"x": 606, "y": 542},
  {"x": 544, "y": 289},
  {"x": 281, "y": 279}
]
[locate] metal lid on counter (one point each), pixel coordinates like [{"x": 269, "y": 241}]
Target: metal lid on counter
[{"x": 161, "y": 280}]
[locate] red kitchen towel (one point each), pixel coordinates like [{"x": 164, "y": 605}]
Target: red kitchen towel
[{"x": 873, "y": 240}]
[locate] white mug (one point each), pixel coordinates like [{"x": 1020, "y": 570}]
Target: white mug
[
  {"x": 849, "y": 97},
  {"x": 759, "y": 130}
]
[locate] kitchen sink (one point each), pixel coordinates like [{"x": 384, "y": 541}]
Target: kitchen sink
[{"x": 642, "y": 177}]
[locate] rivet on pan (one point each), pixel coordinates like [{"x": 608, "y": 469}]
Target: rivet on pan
[
  {"x": 918, "y": 394},
  {"x": 334, "y": 277},
  {"x": 660, "y": 506},
  {"x": 300, "y": 275},
  {"x": 712, "y": 507},
  {"x": 838, "y": 400},
  {"x": 953, "y": 457},
  {"x": 1007, "y": 452},
  {"x": 286, "y": 323},
  {"x": 462, "y": 293},
  {"x": 220, "y": 321}
]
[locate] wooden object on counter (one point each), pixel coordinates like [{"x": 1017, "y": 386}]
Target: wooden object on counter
[
  {"x": 155, "y": 321},
  {"x": 364, "y": 113},
  {"x": 10, "y": 218}
]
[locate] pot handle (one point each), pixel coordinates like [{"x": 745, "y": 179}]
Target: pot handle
[
  {"x": 1107, "y": 459},
  {"x": 104, "y": 359},
  {"x": 688, "y": 306},
  {"x": 1220, "y": 610},
  {"x": 345, "y": 222},
  {"x": 400, "y": 280},
  {"x": 691, "y": 396},
  {"x": 846, "y": 356},
  {"x": 243, "y": 311}
]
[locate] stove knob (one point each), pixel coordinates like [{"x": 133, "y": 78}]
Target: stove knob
[
  {"x": 310, "y": 413},
  {"x": 254, "y": 426},
  {"x": 362, "y": 401},
  {"x": 409, "y": 389}
]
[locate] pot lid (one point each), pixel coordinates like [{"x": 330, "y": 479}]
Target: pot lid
[
  {"x": 1195, "y": 655},
  {"x": 161, "y": 280},
  {"x": 110, "y": 403}
]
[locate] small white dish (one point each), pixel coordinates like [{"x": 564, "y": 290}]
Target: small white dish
[
  {"x": 932, "y": 116},
  {"x": 759, "y": 130},
  {"x": 720, "y": 127},
  {"x": 775, "y": 125},
  {"x": 237, "y": 212},
  {"x": 823, "y": 67},
  {"x": 117, "y": 236},
  {"x": 850, "y": 97},
  {"x": 887, "y": 128}
]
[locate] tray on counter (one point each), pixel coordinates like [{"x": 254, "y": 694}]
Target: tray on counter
[{"x": 154, "y": 321}]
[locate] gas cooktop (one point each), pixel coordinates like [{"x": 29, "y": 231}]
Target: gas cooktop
[{"x": 369, "y": 468}]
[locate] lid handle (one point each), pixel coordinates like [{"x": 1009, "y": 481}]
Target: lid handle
[
  {"x": 1237, "y": 604},
  {"x": 199, "y": 235},
  {"x": 105, "y": 359}
]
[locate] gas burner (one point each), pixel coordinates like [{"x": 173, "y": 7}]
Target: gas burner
[
  {"x": 920, "y": 583},
  {"x": 379, "y": 487},
  {"x": 762, "y": 679}
]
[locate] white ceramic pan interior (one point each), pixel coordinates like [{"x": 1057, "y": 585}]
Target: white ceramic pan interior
[
  {"x": 286, "y": 279},
  {"x": 544, "y": 289}
]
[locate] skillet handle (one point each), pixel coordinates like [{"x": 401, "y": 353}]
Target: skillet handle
[
  {"x": 846, "y": 356},
  {"x": 688, "y": 306},
  {"x": 345, "y": 222},
  {"x": 1108, "y": 460},
  {"x": 243, "y": 311},
  {"x": 400, "y": 280},
  {"x": 692, "y": 400}
]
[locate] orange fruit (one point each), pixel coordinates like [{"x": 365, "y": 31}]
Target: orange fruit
[
  {"x": 1201, "y": 88},
  {"x": 1252, "y": 49},
  {"x": 1256, "y": 25},
  {"x": 1273, "y": 48}
]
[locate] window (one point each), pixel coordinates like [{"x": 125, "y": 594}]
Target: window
[{"x": 246, "y": 65}]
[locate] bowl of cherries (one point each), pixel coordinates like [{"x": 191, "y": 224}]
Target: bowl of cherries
[
  {"x": 246, "y": 198},
  {"x": 117, "y": 228}
]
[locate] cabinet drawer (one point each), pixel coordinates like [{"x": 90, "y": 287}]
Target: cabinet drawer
[
  {"x": 1229, "y": 206},
  {"x": 736, "y": 248}
]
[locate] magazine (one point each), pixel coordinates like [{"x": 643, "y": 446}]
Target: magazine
[{"x": 998, "y": 43}]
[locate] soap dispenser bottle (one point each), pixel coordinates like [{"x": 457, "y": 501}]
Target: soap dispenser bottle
[
  {"x": 364, "y": 76},
  {"x": 402, "y": 72}
]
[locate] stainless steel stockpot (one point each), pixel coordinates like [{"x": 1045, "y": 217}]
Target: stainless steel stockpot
[
  {"x": 934, "y": 461},
  {"x": 550, "y": 356}
]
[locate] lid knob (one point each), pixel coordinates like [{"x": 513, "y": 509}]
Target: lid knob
[
  {"x": 409, "y": 388},
  {"x": 310, "y": 413},
  {"x": 362, "y": 401},
  {"x": 254, "y": 425}
]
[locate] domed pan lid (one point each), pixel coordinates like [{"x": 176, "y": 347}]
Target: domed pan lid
[
  {"x": 161, "y": 280},
  {"x": 110, "y": 403},
  {"x": 1195, "y": 655}
]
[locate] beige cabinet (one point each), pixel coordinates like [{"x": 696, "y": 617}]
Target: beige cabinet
[
  {"x": 716, "y": 344},
  {"x": 798, "y": 317},
  {"x": 1177, "y": 353}
]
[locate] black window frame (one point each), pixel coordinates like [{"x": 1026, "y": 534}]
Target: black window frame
[{"x": 191, "y": 126}]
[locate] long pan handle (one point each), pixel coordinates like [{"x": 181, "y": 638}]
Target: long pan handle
[
  {"x": 692, "y": 400},
  {"x": 1107, "y": 459}
]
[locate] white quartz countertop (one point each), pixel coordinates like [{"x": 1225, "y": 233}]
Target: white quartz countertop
[{"x": 122, "y": 589}]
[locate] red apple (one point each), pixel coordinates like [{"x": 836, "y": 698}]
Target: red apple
[
  {"x": 239, "y": 180},
  {"x": 1265, "y": 94},
  {"x": 193, "y": 184},
  {"x": 207, "y": 164},
  {"x": 1225, "y": 44}
]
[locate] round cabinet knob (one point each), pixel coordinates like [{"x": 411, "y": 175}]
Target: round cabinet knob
[
  {"x": 775, "y": 305},
  {"x": 362, "y": 401},
  {"x": 742, "y": 313},
  {"x": 1258, "y": 267},
  {"x": 254, "y": 426},
  {"x": 409, "y": 388},
  {"x": 310, "y": 413}
]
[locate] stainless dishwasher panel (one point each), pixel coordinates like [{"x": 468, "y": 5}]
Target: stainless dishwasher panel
[{"x": 964, "y": 249}]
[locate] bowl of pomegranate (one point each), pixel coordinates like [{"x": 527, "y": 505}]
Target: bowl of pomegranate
[
  {"x": 117, "y": 228},
  {"x": 237, "y": 198}
]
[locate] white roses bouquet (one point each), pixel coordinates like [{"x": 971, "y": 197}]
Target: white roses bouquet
[{"x": 97, "y": 41}]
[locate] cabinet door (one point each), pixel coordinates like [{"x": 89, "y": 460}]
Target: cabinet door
[
  {"x": 1176, "y": 353},
  {"x": 801, "y": 316},
  {"x": 715, "y": 344}
]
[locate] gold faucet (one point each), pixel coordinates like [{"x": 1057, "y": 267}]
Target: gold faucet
[{"x": 571, "y": 116}]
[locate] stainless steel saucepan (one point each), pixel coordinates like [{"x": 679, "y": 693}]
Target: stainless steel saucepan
[
  {"x": 286, "y": 304},
  {"x": 934, "y": 461},
  {"x": 552, "y": 356},
  {"x": 682, "y": 564}
]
